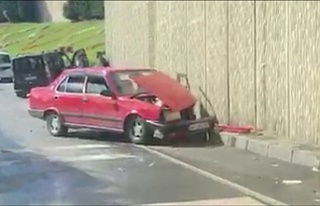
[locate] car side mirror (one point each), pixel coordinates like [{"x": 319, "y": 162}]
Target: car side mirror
[{"x": 108, "y": 93}]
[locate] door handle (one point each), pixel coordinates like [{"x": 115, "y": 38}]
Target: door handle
[
  {"x": 55, "y": 97},
  {"x": 84, "y": 99}
]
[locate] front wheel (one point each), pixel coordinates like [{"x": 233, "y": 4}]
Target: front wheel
[
  {"x": 55, "y": 125},
  {"x": 137, "y": 131}
]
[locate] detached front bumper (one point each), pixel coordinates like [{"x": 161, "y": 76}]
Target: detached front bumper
[{"x": 182, "y": 128}]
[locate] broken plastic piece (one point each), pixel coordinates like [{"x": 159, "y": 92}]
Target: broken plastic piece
[{"x": 291, "y": 182}]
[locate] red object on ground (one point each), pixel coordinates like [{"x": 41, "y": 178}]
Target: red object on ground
[{"x": 235, "y": 128}]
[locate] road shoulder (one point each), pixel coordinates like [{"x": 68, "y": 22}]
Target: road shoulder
[{"x": 300, "y": 154}]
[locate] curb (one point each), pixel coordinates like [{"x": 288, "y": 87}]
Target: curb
[{"x": 272, "y": 150}]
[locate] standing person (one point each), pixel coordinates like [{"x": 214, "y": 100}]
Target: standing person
[
  {"x": 81, "y": 61},
  {"x": 102, "y": 60}
]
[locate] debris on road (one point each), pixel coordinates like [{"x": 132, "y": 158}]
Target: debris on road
[
  {"x": 291, "y": 182},
  {"x": 315, "y": 169},
  {"x": 151, "y": 164},
  {"x": 275, "y": 165},
  {"x": 121, "y": 169}
]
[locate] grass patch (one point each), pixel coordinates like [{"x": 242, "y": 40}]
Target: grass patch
[{"x": 32, "y": 37}]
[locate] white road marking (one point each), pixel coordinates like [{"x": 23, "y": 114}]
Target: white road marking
[
  {"x": 225, "y": 201},
  {"x": 216, "y": 178},
  {"x": 85, "y": 146},
  {"x": 91, "y": 157}
]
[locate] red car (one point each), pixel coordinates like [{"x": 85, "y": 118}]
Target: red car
[{"x": 141, "y": 103}]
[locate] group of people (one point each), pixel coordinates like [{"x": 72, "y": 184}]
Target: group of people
[{"x": 82, "y": 61}]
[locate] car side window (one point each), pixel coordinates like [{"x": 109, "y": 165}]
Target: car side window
[
  {"x": 62, "y": 85},
  {"x": 96, "y": 84},
  {"x": 75, "y": 84}
]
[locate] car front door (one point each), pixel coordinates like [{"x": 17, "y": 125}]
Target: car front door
[
  {"x": 68, "y": 98},
  {"x": 99, "y": 111}
]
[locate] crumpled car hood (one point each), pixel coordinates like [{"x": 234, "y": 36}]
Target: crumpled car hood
[{"x": 171, "y": 93}]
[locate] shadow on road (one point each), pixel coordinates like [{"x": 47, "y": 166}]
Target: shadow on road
[
  {"x": 97, "y": 135},
  {"x": 199, "y": 140}
]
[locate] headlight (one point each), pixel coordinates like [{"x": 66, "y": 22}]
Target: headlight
[{"x": 171, "y": 116}]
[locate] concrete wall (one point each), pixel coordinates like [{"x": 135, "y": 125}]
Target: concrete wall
[
  {"x": 51, "y": 11},
  {"x": 256, "y": 61}
]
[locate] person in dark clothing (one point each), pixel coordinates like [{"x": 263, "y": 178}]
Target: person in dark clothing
[{"x": 102, "y": 60}]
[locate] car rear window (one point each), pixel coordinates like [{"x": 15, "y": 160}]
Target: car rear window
[{"x": 28, "y": 65}]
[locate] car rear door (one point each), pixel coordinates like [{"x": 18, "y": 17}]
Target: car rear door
[
  {"x": 99, "y": 111},
  {"x": 68, "y": 98}
]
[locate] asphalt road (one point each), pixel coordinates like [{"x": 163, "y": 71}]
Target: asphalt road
[{"x": 98, "y": 168}]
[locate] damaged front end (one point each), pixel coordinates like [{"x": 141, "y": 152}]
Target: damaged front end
[
  {"x": 178, "y": 124},
  {"x": 177, "y": 116},
  {"x": 174, "y": 124}
]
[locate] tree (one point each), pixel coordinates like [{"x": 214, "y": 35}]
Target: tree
[
  {"x": 9, "y": 11},
  {"x": 76, "y": 10},
  {"x": 96, "y": 9},
  {"x": 28, "y": 10},
  {"x": 84, "y": 9},
  {"x": 70, "y": 12}
]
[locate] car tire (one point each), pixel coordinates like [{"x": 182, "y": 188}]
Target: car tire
[
  {"x": 55, "y": 125},
  {"x": 21, "y": 94},
  {"x": 137, "y": 131}
]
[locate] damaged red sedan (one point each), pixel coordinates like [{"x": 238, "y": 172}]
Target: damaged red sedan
[{"x": 141, "y": 103}]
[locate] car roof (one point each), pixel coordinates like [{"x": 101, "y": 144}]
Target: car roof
[
  {"x": 26, "y": 56},
  {"x": 33, "y": 55},
  {"x": 102, "y": 70},
  {"x": 3, "y": 52}
]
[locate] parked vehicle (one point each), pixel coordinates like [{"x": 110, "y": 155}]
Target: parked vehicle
[
  {"x": 5, "y": 67},
  {"x": 40, "y": 69},
  {"x": 136, "y": 102}
]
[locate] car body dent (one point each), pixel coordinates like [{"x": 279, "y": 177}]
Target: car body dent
[
  {"x": 157, "y": 83},
  {"x": 128, "y": 106}
]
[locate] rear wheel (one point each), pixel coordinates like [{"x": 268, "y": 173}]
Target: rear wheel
[
  {"x": 55, "y": 125},
  {"x": 137, "y": 131}
]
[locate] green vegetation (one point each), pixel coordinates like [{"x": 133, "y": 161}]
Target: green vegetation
[
  {"x": 32, "y": 37},
  {"x": 19, "y": 11},
  {"x": 29, "y": 11},
  {"x": 76, "y": 10}
]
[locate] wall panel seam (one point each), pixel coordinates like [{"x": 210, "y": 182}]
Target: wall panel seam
[{"x": 228, "y": 65}]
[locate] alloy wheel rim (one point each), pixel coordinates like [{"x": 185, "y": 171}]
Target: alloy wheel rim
[
  {"x": 137, "y": 129},
  {"x": 55, "y": 124}
]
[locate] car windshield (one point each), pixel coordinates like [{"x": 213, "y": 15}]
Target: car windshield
[
  {"x": 4, "y": 58},
  {"x": 125, "y": 84}
]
